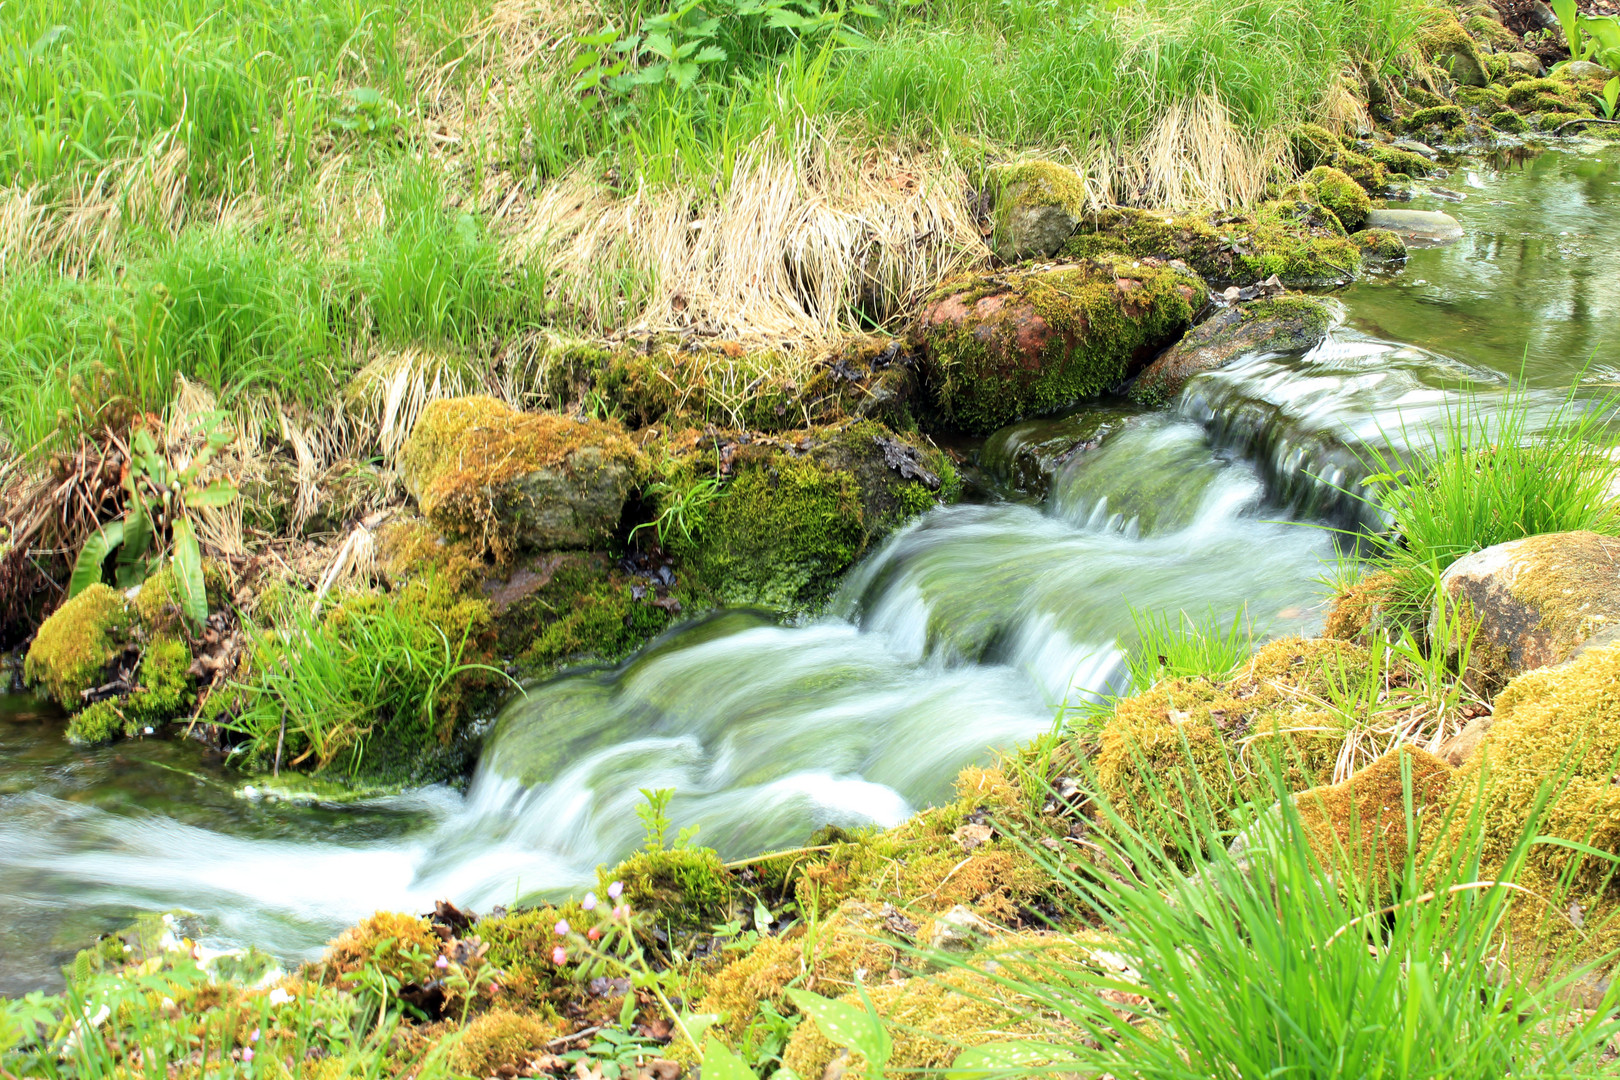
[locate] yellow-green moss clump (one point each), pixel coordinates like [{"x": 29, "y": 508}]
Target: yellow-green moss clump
[
  {"x": 1036, "y": 206},
  {"x": 999, "y": 348},
  {"x": 1447, "y": 45},
  {"x": 1355, "y": 606},
  {"x": 930, "y": 1020},
  {"x": 73, "y": 647},
  {"x": 1343, "y": 196},
  {"x": 1293, "y": 239},
  {"x": 1202, "y": 740},
  {"x": 1380, "y": 246},
  {"x": 1361, "y": 823},
  {"x": 402, "y": 946},
  {"x": 162, "y": 691},
  {"x": 502, "y": 1042},
  {"x": 689, "y": 886},
  {"x": 510, "y": 480},
  {"x": 1549, "y": 725}
]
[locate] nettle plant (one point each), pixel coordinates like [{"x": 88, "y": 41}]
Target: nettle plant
[
  {"x": 675, "y": 48},
  {"x": 161, "y": 498}
]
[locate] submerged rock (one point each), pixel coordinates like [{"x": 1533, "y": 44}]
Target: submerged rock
[
  {"x": 1423, "y": 228},
  {"x": 1037, "y": 206},
  {"x": 482, "y": 470},
  {"x": 999, "y": 347},
  {"x": 1284, "y": 324},
  {"x": 1296, "y": 240},
  {"x": 1025, "y": 455},
  {"x": 1532, "y": 603}
]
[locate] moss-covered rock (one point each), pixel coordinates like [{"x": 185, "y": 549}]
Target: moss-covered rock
[
  {"x": 1037, "y": 205},
  {"x": 1447, "y": 45},
  {"x": 1335, "y": 190},
  {"x": 790, "y": 515},
  {"x": 1508, "y": 121},
  {"x": 1531, "y": 603},
  {"x": 1213, "y": 742},
  {"x": 1361, "y": 824},
  {"x": 71, "y": 652},
  {"x": 1315, "y": 146},
  {"x": 1294, "y": 240},
  {"x": 999, "y": 348},
  {"x": 512, "y": 480},
  {"x": 162, "y": 690},
  {"x": 1558, "y": 725},
  {"x": 502, "y": 1042},
  {"x": 1380, "y": 247},
  {"x": 1282, "y": 324},
  {"x": 688, "y": 887}
]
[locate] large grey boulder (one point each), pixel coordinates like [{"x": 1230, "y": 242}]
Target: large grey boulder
[{"x": 1284, "y": 324}]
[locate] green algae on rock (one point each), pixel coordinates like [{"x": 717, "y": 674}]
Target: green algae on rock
[
  {"x": 1294, "y": 240},
  {"x": 1002, "y": 347},
  {"x": 512, "y": 480},
  {"x": 1283, "y": 324},
  {"x": 1336, "y": 191}
]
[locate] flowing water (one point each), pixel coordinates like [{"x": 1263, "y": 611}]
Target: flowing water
[{"x": 962, "y": 634}]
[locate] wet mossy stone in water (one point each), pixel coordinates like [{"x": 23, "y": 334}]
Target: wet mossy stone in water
[
  {"x": 71, "y": 652},
  {"x": 1335, "y": 190},
  {"x": 162, "y": 690},
  {"x": 1288, "y": 324},
  {"x": 1000, "y": 347},
  {"x": 1380, "y": 247},
  {"x": 798, "y": 511},
  {"x": 1295, "y": 240},
  {"x": 511, "y": 480},
  {"x": 1037, "y": 205}
]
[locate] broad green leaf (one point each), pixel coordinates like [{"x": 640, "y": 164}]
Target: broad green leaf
[
  {"x": 87, "y": 567},
  {"x": 660, "y": 45},
  {"x": 1000, "y": 1058},
  {"x": 762, "y": 916},
  {"x": 683, "y": 74},
  {"x": 845, "y": 1025},
  {"x": 188, "y": 572},
  {"x": 710, "y": 54},
  {"x": 698, "y": 1023},
  {"x": 218, "y": 493},
  {"x": 600, "y": 39},
  {"x": 719, "y": 1063},
  {"x": 584, "y": 60}
]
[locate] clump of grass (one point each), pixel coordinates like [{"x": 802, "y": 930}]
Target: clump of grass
[
  {"x": 374, "y": 677},
  {"x": 1490, "y": 471},
  {"x": 1178, "y": 646},
  {"x": 1276, "y": 961}
]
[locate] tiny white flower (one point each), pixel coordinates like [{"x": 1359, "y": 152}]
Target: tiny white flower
[{"x": 279, "y": 996}]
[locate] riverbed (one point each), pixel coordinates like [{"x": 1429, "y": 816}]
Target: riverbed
[{"x": 968, "y": 631}]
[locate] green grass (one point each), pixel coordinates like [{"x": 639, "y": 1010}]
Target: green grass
[
  {"x": 1278, "y": 964},
  {"x": 1490, "y": 471},
  {"x": 1177, "y": 646}
]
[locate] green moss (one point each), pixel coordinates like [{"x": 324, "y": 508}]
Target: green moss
[
  {"x": 1027, "y": 185},
  {"x": 1290, "y": 238},
  {"x": 1545, "y": 95},
  {"x": 1453, "y": 51},
  {"x": 1483, "y": 28},
  {"x": 1482, "y": 99},
  {"x": 688, "y": 887},
  {"x": 1551, "y": 121},
  {"x": 73, "y": 647},
  {"x": 1335, "y": 190},
  {"x": 1401, "y": 161},
  {"x": 1196, "y": 742},
  {"x": 595, "y": 618},
  {"x": 783, "y": 531},
  {"x": 1448, "y": 118},
  {"x": 1381, "y": 245},
  {"x": 502, "y": 1042},
  {"x": 1510, "y": 122},
  {"x": 1025, "y": 343},
  {"x": 520, "y": 947}
]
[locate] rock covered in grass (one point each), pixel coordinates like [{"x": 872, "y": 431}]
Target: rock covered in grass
[
  {"x": 1425, "y": 228},
  {"x": 999, "y": 347},
  {"x": 512, "y": 480},
  {"x": 1037, "y": 206},
  {"x": 1294, "y": 240},
  {"x": 1287, "y": 324},
  {"x": 1533, "y": 602}
]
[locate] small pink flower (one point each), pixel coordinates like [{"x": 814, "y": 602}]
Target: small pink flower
[
  {"x": 622, "y": 911},
  {"x": 442, "y": 962},
  {"x": 594, "y": 934},
  {"x": 255, "y": 1036},
  {"x": 615, "y": 890},
  {"x": 562, "y": 927},
  {"x": 247, "y": 1054},
  {"x": 494, "y": 988},
  {"x": 559, "y": 955},
  {"x": 589, "y": 903}
]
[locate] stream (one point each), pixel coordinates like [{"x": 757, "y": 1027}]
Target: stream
[{"x": 964, "y": 633}]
